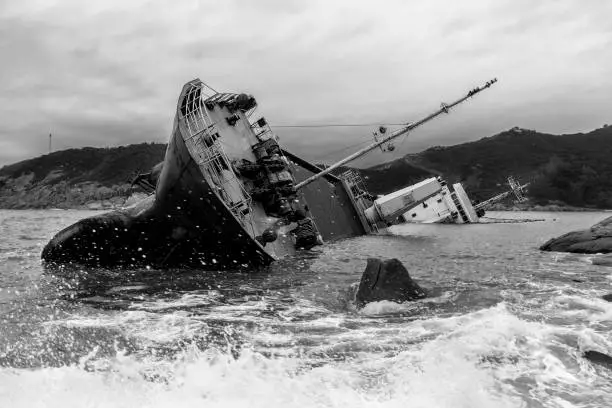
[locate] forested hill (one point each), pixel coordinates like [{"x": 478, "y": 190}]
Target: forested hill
[
  {"x": 107, "y": 166},
  {"x": 77, "y": 177},
  {"x": 573, "y": 169},
  {"x": 387, "y": 177}
]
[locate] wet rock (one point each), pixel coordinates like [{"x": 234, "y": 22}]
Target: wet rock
[
  {"x": 608, "y": 297},
  {"x": 597, "y": 239},
  {"x": 603, "y": 260},
  {"x": 387, "y": 280},
  {"x": 598, "y": 358}
]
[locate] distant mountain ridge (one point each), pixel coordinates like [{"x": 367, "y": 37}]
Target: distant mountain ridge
[{"x": 573, "y": 169}]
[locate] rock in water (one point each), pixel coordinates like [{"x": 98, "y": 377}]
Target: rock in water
[
  {"x": 597, "y": 239},
  {"x": 598, "y": 358},
  {"x": 387, "y": 280},
  {"x": 603, "y": 260},
  {"x": 608, "y": 297}
]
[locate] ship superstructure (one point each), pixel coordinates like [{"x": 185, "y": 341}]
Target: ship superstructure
[
  {"x": 447, "y": 205},
  {"x": 432, "y": 201},
  {"x": 429, "y": 201}
]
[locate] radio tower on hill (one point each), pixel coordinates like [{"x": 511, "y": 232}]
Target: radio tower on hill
[{"x": 50, "y": 143}]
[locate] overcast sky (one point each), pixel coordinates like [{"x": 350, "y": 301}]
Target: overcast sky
[{"x": 108, "y": 72}]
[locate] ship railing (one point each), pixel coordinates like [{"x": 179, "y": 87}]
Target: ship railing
[
  {"x": 358, "y": 190},
  {"x": 197, "y": 118},
  {"x": 353, "y": 178},
  {"x": 211, "y": 157},
  {"x": 196, "y": 121},
  {"x": 214, "y": 162}
]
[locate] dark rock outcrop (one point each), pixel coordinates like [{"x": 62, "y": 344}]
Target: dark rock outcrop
[
  {"x": 597, "y": 239},
  {"x": 387, "y": 280},
  {"x": 608, "y": 297},
  {"x": 598, "y": 358},
  {"x": 603, "y": 260}
]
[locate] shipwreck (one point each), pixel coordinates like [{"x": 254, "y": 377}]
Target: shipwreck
[
  {"x": 439, "y": 203},
  {"x": 228, "y": 196}
]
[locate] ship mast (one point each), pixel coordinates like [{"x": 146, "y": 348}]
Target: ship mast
[
  {"x": 515, "y": 187},
  {"x": 445, "y": 108}
]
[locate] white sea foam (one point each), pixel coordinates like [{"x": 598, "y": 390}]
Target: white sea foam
[
  {"x": 215, "y": 380},
  {"x": 485, "y": 358}
]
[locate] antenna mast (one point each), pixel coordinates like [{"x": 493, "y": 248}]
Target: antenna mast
[
  {"x": 445, "y": 108},
  {"x": 50, "y": 143}
]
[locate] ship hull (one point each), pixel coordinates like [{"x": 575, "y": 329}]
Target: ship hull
[
  {"x": 201, "y": 214},
  {"x": 184, "y": 223}
]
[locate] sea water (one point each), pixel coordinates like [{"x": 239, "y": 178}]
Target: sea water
[{"x": 505, "y": 325}]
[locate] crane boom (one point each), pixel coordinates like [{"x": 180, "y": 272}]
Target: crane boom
[{"x": 399, "y": 132}]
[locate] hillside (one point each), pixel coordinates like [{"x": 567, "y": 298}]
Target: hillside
[
  {"x": 573, "y": 169},
  {"x": 388, "y": 177},
  {"x": 88, "y": 177}
]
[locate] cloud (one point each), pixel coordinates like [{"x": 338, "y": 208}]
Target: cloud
[{"x": 109, "y": 72}]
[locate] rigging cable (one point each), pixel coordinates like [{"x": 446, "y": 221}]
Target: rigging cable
[
  {"x": 341, "y": 125},
  {"x": 327, "y": 125}
]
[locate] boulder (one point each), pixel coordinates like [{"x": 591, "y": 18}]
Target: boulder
[
  {"x": 598, "y": 358},
  {"x": 387, "y": 280},
  {"x": 597, "y": 239},
  {"x": 608, "y": 297},
  {"x": 603, "y": 260}
]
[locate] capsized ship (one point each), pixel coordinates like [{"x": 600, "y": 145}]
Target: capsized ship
[
  {"x": 226, "y": 196},
  {"x": 429, "y": 201},
  {"x": 432, "y": 201}
]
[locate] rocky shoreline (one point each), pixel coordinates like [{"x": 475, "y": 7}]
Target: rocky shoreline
[
  {"x": 595, "y": 240},
  {"x": 80, "y": 197},
  {"x": 26, "y": 192}
]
